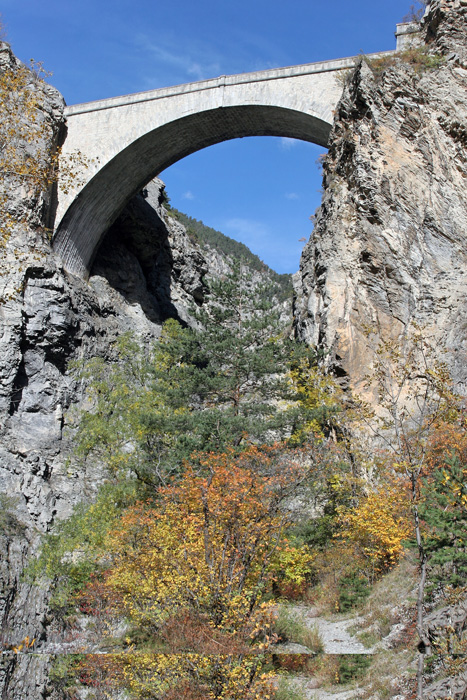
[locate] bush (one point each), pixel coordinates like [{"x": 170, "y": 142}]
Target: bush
[
  {"x": 287, "y": 690},
  {"x": 352, "y": 666},
  {"x": 418, "y": 57},
  {"x": 353, "y": 590}
]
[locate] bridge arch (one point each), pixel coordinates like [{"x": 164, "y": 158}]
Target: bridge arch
[
  {"x": 128, "y": 140},
  {"x": 102, "y": 199}
]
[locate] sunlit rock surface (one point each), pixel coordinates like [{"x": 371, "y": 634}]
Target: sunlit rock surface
[{"x": 389, "y": 242}]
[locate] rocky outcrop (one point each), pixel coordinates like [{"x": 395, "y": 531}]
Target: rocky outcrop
[
  {"x": 150, "y": 261},
  {"x": 389, "y": 246},
  {"x": 389, "y": 242},
  {"x": 147, "y": 270}
]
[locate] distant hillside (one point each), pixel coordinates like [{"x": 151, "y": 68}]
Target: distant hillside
[{"x": 228, "y": 246}]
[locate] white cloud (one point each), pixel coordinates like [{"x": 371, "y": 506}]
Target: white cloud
[
  {"x": 193, "y": 62},
  {"x": 188, "y": 195},
  {"x": 291, "y": 195},
  {"x": 286, "y": 144},
  {"x": 281, "y": 252},
  {"x": 248, "y": 231}
]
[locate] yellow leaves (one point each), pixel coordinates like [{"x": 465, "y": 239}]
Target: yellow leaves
[
  {"x": 207, "y": 548},
  {"x": 378, "y": 525},
  {"x": 295, "y": 563},
  {"x": 316, "y": 393},
  {"x": 26, "y": 644},
  {"x": 173, "y": 676},
  {"x": 29, "y": 157}
]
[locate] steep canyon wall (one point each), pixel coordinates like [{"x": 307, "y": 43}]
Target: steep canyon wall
[{"x": 389, "y": 242}]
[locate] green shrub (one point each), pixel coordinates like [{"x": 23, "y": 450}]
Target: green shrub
[
  {"x": 62, "y": 675},
  {"x": 352, "y": 666},
  {"x": 286, "y": 690},
  {"x": 417, "y": 57},
  {"x": 10, "y": 526},
  {"x": 353, "y": 590},
  {"x": 290, "y": 628}
]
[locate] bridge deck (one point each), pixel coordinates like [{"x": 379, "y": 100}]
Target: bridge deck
[{"x": 221, "y": 81}]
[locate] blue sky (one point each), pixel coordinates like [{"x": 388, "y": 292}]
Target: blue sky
[{"x": 261, "y": 190}]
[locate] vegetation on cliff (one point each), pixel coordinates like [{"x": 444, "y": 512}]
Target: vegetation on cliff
[
  {"x": 228, "y": 246},
  {"x": 204, "y": 526}
]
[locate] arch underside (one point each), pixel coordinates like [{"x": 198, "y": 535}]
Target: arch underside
[{"x": 103, "y": 198}]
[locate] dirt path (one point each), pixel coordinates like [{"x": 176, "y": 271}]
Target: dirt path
[
  {"x": 336, "y": 638},
  {"x": 311, "y": 693},
  {"x": 334, "y": 632}
]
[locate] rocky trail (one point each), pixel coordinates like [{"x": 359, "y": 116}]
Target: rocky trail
[{"x": 335, "y": 633}]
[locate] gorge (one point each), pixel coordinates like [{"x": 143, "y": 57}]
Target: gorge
[{"x": 388, "y": 249}]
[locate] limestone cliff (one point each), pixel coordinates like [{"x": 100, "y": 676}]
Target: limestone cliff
[
  {"x": 389, "y": 245},
  {"x": 389, "y": 242},
  {"x": 47, "y": 319}
]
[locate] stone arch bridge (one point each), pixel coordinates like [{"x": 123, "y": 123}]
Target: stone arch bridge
[{"x": 129, "y": 140}]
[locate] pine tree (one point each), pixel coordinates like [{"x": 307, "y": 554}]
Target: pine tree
[
  {"x": 241, "y": 357},
  {"x": 221, "y": 384},
  {"x": 444, "y": 510}
]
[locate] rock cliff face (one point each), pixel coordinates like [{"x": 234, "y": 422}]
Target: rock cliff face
[
  {"x": 147, "y": 270},
  {"x": 389, "y": 243},
  {"x": 389, "y": 246}
]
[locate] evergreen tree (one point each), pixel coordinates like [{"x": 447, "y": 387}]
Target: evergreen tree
[
  {"x": 240, "y": 355},
  {"x": 222, "y": 384},
  {"x": 444, "y": 511}
]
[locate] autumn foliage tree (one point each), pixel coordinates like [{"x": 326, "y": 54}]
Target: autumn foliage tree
[
  {"x": 377, "y": 526},
  {"x": 189, "y": 571},
  {"x": 174, "y": 676},
  {"x": 208, "y": 546}
]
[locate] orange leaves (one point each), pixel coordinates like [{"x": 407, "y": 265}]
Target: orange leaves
[
  {"x": 188, "y": 572},
  {"x": 208, "y": 544},
  {"x": 26, "y": 645},
  {"x": 175, "y": 676}
]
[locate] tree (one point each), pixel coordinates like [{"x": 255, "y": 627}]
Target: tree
[
  {"x": 416, "y": 12},
  {"x": 443, "y": 504},
  {"x": 175, "y": 676},
  {"x": 208, "y": 544},
  {"x": 189, "y": 571},
  {"x": 222, "y": 384},
  {"x": 139, "y": 402},
  {"x": 318, "y": 398},
  {"x": 377, "y": 526},
  {"x": 25, "y": 132},
  {"x": 241, "y": 356},
  {"x": 414, "y": 392}
]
